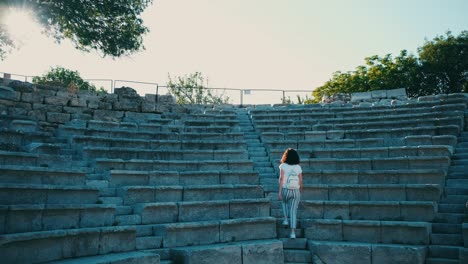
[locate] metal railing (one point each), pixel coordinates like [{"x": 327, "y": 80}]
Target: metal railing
[{"x": 253, "y": 96}]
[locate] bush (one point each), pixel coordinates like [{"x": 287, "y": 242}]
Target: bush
[{"x": 67, "y": 78}]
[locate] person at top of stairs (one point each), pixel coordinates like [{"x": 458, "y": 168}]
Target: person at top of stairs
[{"x": 290, "y": 187}]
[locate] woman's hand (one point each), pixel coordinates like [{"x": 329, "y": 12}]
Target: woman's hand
[{"x": 280, "y": 196}]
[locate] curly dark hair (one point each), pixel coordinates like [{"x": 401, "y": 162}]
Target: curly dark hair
[{"x": 290, "y": 157}]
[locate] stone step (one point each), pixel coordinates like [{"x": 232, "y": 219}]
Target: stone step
[
  {"x": 449, "y": 218},
  {"x": 148, "y": 242},
  {"x": 100, "y": 184},
  {"x": 461, "y": 150},
  {"x": 458, "y": 182},
  {"x": 457, "y": 175},
  {"x": 221, "y": 231},
  {"x": 132, "y": 195},
  {"x": 356, "y": 252},
  {"x": 111, "y": 200},
  {"x": 173, "y": 212},
  {"x": 128, "y": 220},
  {"x": 55, "y": 245},
  {"x": 456, "y": 199},
  {"x": 372, "y": 192},
  {"x": 368, "y": 231},
  {"x": 90, "y": 153},
  {"x": 35, "y": 218},
  {"x": 120, "y": 258},
  {"x": 460, "y": 156},
  {"x": 123, "y": 210},
  {"x": 118, "y": 178},
  {"x": 297, "y": 255},
  {"x": 441, "y": 261},
  {"x": 446, "y": 228},
  {"x": 442, "y": 251},
  {"x": 456, "y": 191},
  {"x": 373, "y": 152},
  {"x": 447, "y": 239},
  {"x": 460, "y": 162},
  {"x": 359, "y": 210},
  {"x": 257, "y": 251},
  {"x": 130, "y": 142},
  {"x": 172, "y": 165},
  {"x": 264, "y": 170},
  {"x": 297, "y": 243},
  {"x": 408, "y": 176},
  {"x": 41, "y": 175},
  {"x": 11, "y": 194},
  {"x": 451, "y": 208}
]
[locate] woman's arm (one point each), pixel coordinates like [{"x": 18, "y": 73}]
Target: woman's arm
[
  {"x": 280, "y": 195},
  {"x": 300, "y": 181}
]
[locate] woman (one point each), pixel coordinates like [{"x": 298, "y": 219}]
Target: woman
[{"x": 290, "y": 187}]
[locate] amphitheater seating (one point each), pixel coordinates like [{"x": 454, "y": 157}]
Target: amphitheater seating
[
  {"x": 112, "y": 184},
  {"x": 373, "y": 178}
]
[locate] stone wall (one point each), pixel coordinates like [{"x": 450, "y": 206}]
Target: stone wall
[{"x": 52, "y": 105}]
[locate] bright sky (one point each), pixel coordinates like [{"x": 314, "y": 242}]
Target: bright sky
[{"x": 251, "y": 44}]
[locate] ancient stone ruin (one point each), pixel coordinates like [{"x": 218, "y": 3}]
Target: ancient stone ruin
[{"x": 120, "y": 178}]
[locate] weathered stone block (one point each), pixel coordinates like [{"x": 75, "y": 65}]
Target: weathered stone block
[
  {"x": 157, "y": 213},
  {"x": 203, "y": 211},
  {"x": 315, "y": 135},
  {"x": 117, "y": 239},
  {"x": 311, "y": 209},
  {"x": 323, "y": 229},
  {"x": 23, "y": 218},
  {"x": 247, "y": 229},
  {"x": 386, "y": 192},
  {"x": 60, "y": 118},
  {"x": 465, "y": 235},
  {"x": 249, "y": 208},
  {"x": 412, "y": 233},
  {"x": 396, "y": 93},
  {"x": 379, "y": 94},
  {"x": 262, "y": 252},
  {"x": 349, "y": 193},
  {"x": 7, "y": 93},
  {"x": 188, "y": 234},
  {"x": 61, "y": 98},
  {"x": 342, "y": 252},
  {"x": 362, "y": 231},
  {"x": 208, "y": 254},
  {"x": 356, "y": 97},
  {"x": 374, "y": 210},
  {"x": 108, "y": 115},
  {"x": 389, "y": 254}
]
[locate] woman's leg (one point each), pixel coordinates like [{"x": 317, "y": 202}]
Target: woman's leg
[
  {"x": 284, "y": 203},
  {"x": 293, "y": 205}
]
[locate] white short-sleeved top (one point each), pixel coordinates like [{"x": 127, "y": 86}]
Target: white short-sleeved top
[{"x": 287, "y": 168}]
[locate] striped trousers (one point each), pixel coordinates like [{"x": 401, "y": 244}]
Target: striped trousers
[{"x": 291, "y": 199}]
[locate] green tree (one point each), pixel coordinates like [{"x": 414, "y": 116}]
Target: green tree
[
  {"x": 66, "y": 78},
  {"x": 113, "y": 27},
  {"x": 191, "y": 89},
  {"x": 445, "y": 63},
  {"x": 442, "y": 67}
]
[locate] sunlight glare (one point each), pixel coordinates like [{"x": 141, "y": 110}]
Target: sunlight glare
[{"x": 19, "y": 23}]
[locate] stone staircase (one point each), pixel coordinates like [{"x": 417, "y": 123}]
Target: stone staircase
[{"x": 446, "y": 237}]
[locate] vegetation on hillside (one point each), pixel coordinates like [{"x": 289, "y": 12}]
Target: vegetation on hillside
[
  {"x": 192, "y": 89},
  {"x": 440, "y": 67}
]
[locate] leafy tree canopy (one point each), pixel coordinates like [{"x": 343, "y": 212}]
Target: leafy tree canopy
[
  {"x": 113, "y": 27},
  {"x": 66, "y": 78},
  {"x": 191, "y": 89},
  {"x": 442, "y": 67}
]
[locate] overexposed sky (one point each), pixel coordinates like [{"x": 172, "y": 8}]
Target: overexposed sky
[{"x": 256, "y": 44}]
